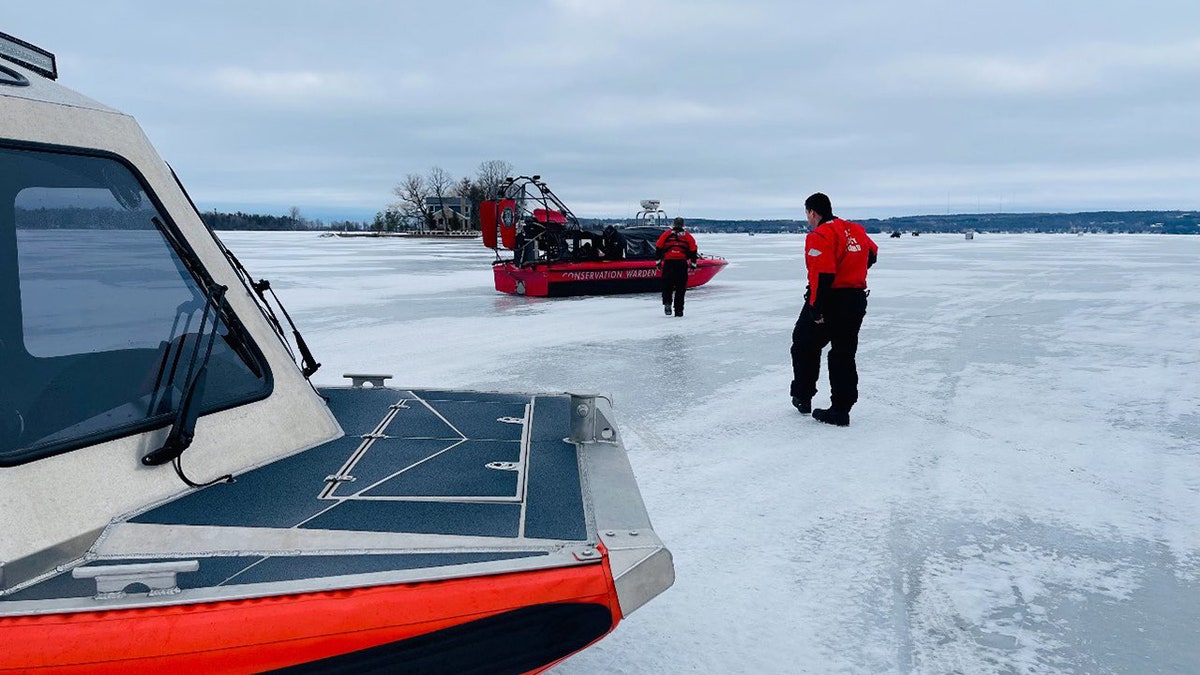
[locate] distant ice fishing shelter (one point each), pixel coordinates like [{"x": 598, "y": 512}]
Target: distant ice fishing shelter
[{"x": 176, "y": 496}]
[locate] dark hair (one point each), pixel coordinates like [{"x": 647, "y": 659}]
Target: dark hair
[
  {"x": 818, "y": 202},
  {"x": 677, "y": 224}
]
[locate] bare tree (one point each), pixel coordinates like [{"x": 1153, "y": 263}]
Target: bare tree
[
  {"x": 490, "y": 177},
  {"x": 422, "y": 197},
  {"x": 297, "y": 221},
  {"x": 413, "y": 194},
  {"x": 488, "y": 184},
  {"x": 441, "y": 184}
]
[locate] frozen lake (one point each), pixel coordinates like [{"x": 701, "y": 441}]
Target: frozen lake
[{"x": 1019, "y": 491}]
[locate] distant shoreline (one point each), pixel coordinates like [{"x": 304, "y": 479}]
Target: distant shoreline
[
  {"x": 1097, "y": 222},
  {"x": 412, "y": 234}
]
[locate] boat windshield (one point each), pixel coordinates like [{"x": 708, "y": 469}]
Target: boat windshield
[{"x": 100, "y": 312}]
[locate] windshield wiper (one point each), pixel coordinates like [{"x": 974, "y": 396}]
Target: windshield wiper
[{"x": 183, "y": 427}]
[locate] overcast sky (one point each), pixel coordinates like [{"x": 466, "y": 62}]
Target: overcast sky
[{"x": 734, "y": 109}]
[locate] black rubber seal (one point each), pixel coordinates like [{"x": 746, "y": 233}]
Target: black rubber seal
[{"x": 12, "y": 78}]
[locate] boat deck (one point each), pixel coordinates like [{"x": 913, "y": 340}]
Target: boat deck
[
  {"x": 435, "y": 462},
  {"x": 422, "y": 479}
]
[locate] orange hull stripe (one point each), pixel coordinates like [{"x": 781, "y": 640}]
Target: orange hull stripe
[{"x": 246, "y": 636}]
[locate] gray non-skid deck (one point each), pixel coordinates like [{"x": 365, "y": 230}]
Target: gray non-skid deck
[
  {"x": 412, "y": 462},
  {"x": 428, "y": 462}
]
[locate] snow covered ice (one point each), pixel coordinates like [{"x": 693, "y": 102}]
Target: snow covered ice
[{"x": 1019, "y": 491}]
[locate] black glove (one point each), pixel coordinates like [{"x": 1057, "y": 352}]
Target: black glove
[{"x": 818, "y": 316}]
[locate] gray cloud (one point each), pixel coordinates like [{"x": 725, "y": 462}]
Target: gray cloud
[{"x": 719, "y": 109}]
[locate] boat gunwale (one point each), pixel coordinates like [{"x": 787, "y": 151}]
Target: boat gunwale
[{"x": 566, "y": 557}]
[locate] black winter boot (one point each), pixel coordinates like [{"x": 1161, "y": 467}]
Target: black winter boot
[
  {"x": 837, "y": 418},
  {"x": 804, "y": 405}
]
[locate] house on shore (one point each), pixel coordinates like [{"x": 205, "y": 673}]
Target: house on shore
[{"x": 449, "y": 213}]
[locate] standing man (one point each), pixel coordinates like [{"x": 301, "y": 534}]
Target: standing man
[
  {"x": 676, "y": 252},
  {"x": 837, "y": 254}
]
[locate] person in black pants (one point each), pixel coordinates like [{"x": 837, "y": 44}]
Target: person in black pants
[
  {"x": 676, "y": 252},
  {"x": 837, "y": 255}
]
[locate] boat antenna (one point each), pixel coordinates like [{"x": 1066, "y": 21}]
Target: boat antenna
[{"x": 308, "y": 365}]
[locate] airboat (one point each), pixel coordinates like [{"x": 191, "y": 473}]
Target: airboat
[{"x": 554, "y": 255}]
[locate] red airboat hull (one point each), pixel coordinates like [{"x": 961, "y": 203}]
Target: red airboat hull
[
  {"x": 559, "y": 279},
  {"x": 514, "y": 623}
]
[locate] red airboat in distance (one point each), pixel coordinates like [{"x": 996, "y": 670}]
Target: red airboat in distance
[{"x": 555, "y": 256}]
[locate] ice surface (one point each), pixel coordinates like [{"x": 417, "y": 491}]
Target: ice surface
[{"x": 1019, "y": 491}]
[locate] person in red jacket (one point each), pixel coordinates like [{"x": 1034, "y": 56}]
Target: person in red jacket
[
  {"x": 837, "y": 254},
  {"x": 676, "y": 252}
]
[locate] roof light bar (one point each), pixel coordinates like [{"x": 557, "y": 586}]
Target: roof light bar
[{"x": 24, "y": 54}]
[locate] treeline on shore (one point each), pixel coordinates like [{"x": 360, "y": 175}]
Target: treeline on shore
[
  {"x": 1165, "y": 222},
  {"x": 1111, "y": 222},
  {"x": 256, "y": 222}
]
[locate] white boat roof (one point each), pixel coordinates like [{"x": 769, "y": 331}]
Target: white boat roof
[{"x": 53, "y": 508}]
